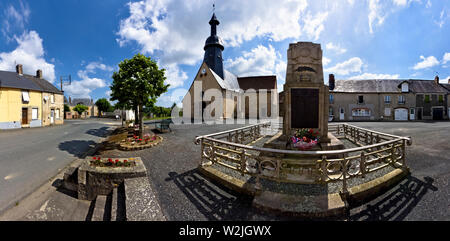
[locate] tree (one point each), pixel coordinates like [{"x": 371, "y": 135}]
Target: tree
[
  {"x": 138, "y": 83},
  {"x": 66, "y": 108},
  {"x": 80, "y": 108},
  {"x": 103, "y": 105}
]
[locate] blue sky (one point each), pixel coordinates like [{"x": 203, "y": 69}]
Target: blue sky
[{"x": 361, "y": 39}]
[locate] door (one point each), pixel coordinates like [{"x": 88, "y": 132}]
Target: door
[
  {"x": 52, "y": 116},
  {"x": 438, "y": 113},
  {"x": 341, "y": 114},
  {"x": 401, "y": 114},
  {"x": 412, "y": 114},
  {"x": 419, "y": 113},
  {"x": 24, "y": 116}
]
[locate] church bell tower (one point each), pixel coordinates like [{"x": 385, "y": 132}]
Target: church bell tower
[{"x": 213, "y": 49}]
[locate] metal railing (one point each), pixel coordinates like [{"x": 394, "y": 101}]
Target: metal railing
[{"x": 376, "y": 151}]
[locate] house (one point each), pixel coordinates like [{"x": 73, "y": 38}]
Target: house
[
  {"x": 92, "y": 110},
  {"x": 387, "y": 99},
  {"x": 26, "y": 100},
  {"x": 447, "y": 87},
  {"x": 237, "y": 93}
]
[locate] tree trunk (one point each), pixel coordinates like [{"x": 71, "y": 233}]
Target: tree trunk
[
  {"x": 121, "y": 117},
  {"x": 141, "y": 122},
  {"x": 136, "y": 115}
]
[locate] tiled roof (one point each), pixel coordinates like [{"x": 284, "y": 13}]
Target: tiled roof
[{"x": 258, "y": 82}]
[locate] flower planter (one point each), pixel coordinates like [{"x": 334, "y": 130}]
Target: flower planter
[{"x": 131, "y": 146}]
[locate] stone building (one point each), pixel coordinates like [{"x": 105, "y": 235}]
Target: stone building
[
  {"x": 387, "y": 99},
  {"x": 92, "y": 110},
  {"x": 235, "y": 91},
  {"x": 28, "y": 101}
]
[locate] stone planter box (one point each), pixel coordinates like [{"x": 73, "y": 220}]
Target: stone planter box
[
  {"x": 93, "y": 181},
  {"x": 130, "y": 147}
]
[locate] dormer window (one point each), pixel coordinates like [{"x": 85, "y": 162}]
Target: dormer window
[{"x": 405, "y": 87}]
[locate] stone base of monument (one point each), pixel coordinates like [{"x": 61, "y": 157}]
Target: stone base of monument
[{"x": 279, "y": 141}]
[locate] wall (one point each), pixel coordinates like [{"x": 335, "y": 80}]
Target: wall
[
  {"x": 11, "y": 108},
  {"x": 48, "y": 106}
]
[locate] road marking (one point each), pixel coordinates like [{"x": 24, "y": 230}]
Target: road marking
[{"x": 51, "y": 158}]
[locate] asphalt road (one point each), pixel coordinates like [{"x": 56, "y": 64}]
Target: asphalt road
[{"x": 29, "y": 157}]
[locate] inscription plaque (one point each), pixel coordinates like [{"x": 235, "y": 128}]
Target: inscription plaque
[{"x": 304, "y": 108}]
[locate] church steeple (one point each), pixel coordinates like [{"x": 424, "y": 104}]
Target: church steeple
[{"x": 213, "y": 48}]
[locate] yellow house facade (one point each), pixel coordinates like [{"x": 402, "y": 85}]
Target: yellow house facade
[{"x": 25, "y": 100}]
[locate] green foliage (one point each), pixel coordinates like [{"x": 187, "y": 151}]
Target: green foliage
[
  {"x": 80, "y": 108},
  {"x": 66, "y": 108},
  {"x": 103, "y": 105},
  {"x": 138, "y": 83}
]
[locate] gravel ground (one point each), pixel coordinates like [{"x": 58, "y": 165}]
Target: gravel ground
[{"x": 185, "y": 194}]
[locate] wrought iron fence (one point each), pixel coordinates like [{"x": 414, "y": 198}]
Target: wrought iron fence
[{"x": 376, "y": 151}]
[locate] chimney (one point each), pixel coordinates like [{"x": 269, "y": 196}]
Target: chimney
[
  {"x": 448, "y": 81},
  {"x": 436, "y": 80},
  {"x": 39, "y": 74},
  {"x": 331, "y": 82},
  {"x": 19, "y": 69}
]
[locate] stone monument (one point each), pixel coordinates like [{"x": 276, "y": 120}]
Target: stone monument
[{"x": 306, "y": 100}]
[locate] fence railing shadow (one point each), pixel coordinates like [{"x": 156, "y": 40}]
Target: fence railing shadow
[{"x": 398, "y": 202}]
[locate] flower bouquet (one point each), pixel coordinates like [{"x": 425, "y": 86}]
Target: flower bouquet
[{"x": 305, "y": 139}]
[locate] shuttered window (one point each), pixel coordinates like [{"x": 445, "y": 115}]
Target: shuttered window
[
  {"x": 25, "y": 96},
  {"x": 34, "y": 114}
]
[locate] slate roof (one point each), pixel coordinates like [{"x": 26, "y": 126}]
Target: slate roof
[
  {"x": 234, "y": 83},
  {"x": 386, "y": 86},
  {"x": 229, "y": 83},
  {"x": 45, "y": 85},
  {"x": 13, "y": 80},
  {"x": 258, "y": 82},
  {"x": 83, "y": 101},
  {"x": 447, "y": 86}
]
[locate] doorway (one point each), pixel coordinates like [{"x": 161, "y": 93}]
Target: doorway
[
  {"x": 24, "y": 116},
  {"x": 52, "y": 116}
]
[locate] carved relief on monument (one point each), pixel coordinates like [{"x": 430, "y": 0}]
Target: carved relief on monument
[{"x": 304, "y": 63}]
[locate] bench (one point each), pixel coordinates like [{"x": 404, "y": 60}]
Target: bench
[{"x": 164, "y": 125}]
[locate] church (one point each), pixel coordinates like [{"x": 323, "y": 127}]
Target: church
[{"x": 224, "y": 95}]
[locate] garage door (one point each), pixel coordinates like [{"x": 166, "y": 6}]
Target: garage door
[{"x": 401, "y": 114}]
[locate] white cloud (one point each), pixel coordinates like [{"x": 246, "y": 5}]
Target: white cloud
[
  {"x": 375, "y": 76},
  {"x": 352, "y": 65},
  {"x": 83, "y": 87},
  {"x": 177, "y": 29},
  {"x": 375, "y": 14},
  {"x": 29, "y": 53},
  {"x": 15, "y": 19},
  {"x": 175, "y": 96},
  {"x": 258, "y": 61},
  {"x": 400, "y": 2},
  {"x": 90, "y": 68},
  {"x": 445, "y": 81},
  {"x": 427, "y": 62},
  {"x": 175, "y": 76},
  {"x": 428, "y": 4},
  {"x": 325, "y": 61},
  {"x": 446, "y": 58},
  {"x": 335, "y": 48},
  {"x": 314, "y": 24}
]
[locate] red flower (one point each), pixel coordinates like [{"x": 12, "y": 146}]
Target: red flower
[
  {"x": 95, "y": 158},
  {"x": 110, "y": 160},
  {"x": 125, "y": 161},
  {"x": 117, "y": 161}
]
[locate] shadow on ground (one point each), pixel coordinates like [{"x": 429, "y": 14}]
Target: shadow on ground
[
  {"x": 398, "y": 202},
  {"x": 100, "y": 132},
  {"x": 77, "y": 148},
  {"x": 214, "y": 203}
]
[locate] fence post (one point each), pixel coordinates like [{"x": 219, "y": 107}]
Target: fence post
[
  {"x": 344, "y": 177},
  {"x": 243, "y": 165},
  {"x": 362, "y": 164},
  {"x": 404, "y": 153}
]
